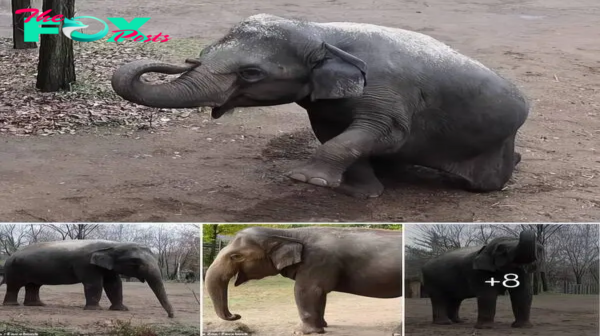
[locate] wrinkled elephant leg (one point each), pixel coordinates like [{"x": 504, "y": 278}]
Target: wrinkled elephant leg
[
  {"x": 12, "y": 294},
  {"x": 489, "y": 171},
  {"x": 113, "y": 287},
  {"x": 360, "y": 181},
  {"x": 521, "y": 298},
  {"x": 439, "y": 308},
  {"x": 322, "y": 303},
  {"x": 309, "y": 301},
  {"x": 486, "y": 309},
  {"x": 32, "y": 295},
  {"x": 93, "y": 294},
  {"x": 452, "y": 308},
  {"x": 332, "y": 159}
]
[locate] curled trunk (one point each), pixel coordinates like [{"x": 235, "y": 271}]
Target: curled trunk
[
  {"x": 179, "y": 93},
  {"x": 217, "y": 280}
]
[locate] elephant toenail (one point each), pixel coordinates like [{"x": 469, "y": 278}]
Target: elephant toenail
[
  {"x": 297, "y": 176},
  {"x": 318, "y": 181}
]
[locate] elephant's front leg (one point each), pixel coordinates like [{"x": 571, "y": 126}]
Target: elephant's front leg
[
  {"x": 521, "y": 298},
  {"x": 310, "y": 301},
  {"x": 332, "y": 159},
  {"x": 93, "y": 293},
  {"x": 113, "y": 287}
]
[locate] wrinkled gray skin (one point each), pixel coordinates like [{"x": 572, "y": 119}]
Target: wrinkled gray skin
[
  {"x": 320, "y": 260},
  {"x": 461, "y": 274},
  {"x": 95, "y": 263},
  {"x": 371, "y": 92}
]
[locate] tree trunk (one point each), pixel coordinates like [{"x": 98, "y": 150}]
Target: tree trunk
[
  {"x": 56, "y": 67},
  {"x": 18, "y": 21},
  {"x": 536, "y": 283},
  {"x": 544, "y": 281},
  {"x": 213, "y": 250}
]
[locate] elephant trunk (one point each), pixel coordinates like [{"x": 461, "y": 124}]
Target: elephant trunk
[
  {"x": 155, "y": 282},
  {"x": 526, "y": 251},
  {"x": 184, "y": 92},
  {"x": 217, "y": 280}
]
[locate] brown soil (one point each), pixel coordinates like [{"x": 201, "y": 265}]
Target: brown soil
[
  {"x": 552, "y": 315},
  {"x": 231, "y": 170},
  {"x": 268, "y": 308},
  {"x": 64, "y": 308}
]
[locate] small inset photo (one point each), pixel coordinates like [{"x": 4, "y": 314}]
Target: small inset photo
[
  {"x": 286, "y": 279},
  {"x": 100, "y": 279},
  {"x": 501, "y": 279}
]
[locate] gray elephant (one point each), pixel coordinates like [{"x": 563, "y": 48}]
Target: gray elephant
[
  {"x": 364, "y": 262},
  {"x": 95, "y": 263},
  {"x": 466, "y": 273},
  {"x": 374, "y": 95}
]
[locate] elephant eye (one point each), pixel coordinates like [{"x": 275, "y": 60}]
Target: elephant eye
[{"x": 251, "y": 74}]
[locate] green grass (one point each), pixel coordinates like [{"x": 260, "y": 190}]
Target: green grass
[{"x": 120, "y": 328}]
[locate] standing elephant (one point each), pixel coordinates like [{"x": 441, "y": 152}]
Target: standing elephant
[
  {"x": 364, "y": 262},
  {"x": 466, "y": 273},
  {"x": 373, "y": 95},
  {"x": 95, "y": 263}
]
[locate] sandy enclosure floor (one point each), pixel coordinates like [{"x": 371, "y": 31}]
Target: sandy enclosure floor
[
  {"x": 552, "y": 315},
  {"x": 64, "y": 308},
  {"x": 548, "y": 47}
]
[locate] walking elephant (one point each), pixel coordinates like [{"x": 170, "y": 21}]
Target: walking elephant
[
  {"x": 466, "y": 273},
  {"x": 375, "y": 96},
  {"x": 364, "y": 262},
  {"x": 97, "y": 264}
]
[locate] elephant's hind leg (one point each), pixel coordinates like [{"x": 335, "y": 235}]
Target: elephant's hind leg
[
  {"x": 32, "y": 295},
  {"x": 489, "y": 171},
  {"x": 12, "y": 293},
  {"x": 113, "y": 287}
]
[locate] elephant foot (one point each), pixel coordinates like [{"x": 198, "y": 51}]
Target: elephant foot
[
  {"x": 92, "y": 307},
  {"x": 307, "y": 330},
  {"x": 322, "y": 324},
  {"x": 316, "y": 174},
  {"x": 34, "y": 303},
  {"x": 458, "y": 320},
  {"x": 521, "y": 324},
  {"x": 119, "y": 306},
  {"x": 10, "y": 303},
  {"x": 484, "y": 325},
  {"x": 361, "y": 189}
]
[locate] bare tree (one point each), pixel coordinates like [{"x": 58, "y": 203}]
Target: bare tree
[
  {"x": 580, "y": 245},
  {"x": 74, "y": 231},
  {"x": 18, "y": 22},
  {"x": 12, "y": 236}
]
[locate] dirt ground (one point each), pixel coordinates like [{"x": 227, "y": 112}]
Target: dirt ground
[
  {"x": 552, "y": 315},
  {"x": 231, "y": 169},
  {"x": 268, "y": 308},
  {"x": 64, "y": 308}
]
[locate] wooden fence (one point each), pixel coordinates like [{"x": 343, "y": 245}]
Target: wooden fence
[{"x": 586, "y": 289}]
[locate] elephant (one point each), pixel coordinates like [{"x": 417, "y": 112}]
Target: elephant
[
  {"x": 97, "y": 264},
  {"x": 366, "y": 262},
  {"x": 468, "y": 272},
  {"x": 376, "y": 97}
]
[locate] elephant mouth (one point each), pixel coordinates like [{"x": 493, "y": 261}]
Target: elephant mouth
[{"x": 240, "y": 278}]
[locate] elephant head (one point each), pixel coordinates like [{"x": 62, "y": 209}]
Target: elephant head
[
  {"x": 263, "y": 61},
  {"x": 252, "y": 254},
  {"x": 137, "y": 261},
  {"x": 504, "y": 253}
]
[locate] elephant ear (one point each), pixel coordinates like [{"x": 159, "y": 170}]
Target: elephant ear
[
  {"x": 338, "y": 74},
  {"x": 491, "y": 257},
  {"x": 286, "y": 254},
  {"x": 102, "y": 259}
]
